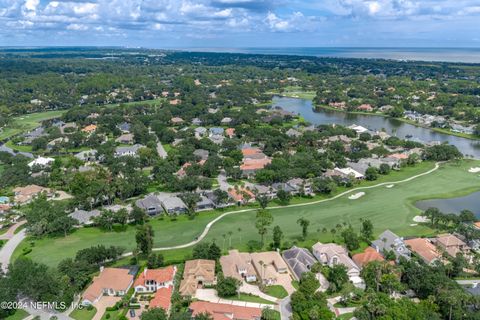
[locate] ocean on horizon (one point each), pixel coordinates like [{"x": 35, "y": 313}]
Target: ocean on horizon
[{"x": 462, "y": 55}]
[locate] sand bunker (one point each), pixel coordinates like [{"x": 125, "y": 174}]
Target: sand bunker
[
  {"x": 420, "y": 219},
  {"x": 390, "y": 186},
  {"x": 474, "y": 170},
  {"x": 356, "y": 196}
]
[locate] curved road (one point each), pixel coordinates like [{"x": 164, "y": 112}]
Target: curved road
[{"x": 211, "y": 223}]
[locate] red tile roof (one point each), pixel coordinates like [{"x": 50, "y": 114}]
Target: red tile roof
[
  {"x": 237, "y": 195},
  {"x": 110, "y": 278},
  {"x": 255, "y": 164},
  {"x": 424, "y": 248},
  {"x": 250, "y": 151},
  {"x": 220, "y": 311},
  {"x": 159, "y": 275},
  {"x": 162, "y": 299},
  {"x": 367, "y": 256}
]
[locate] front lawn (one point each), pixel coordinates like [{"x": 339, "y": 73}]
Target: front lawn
[
  {"x": 84, "y": 313},
  {"x": 276, "y": 291},
  {"x": 250, "y": 298}
]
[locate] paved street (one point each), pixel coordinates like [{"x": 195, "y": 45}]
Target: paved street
[
  {"x": 7, "y": 250},
  {"x": 11, "y": 231}
]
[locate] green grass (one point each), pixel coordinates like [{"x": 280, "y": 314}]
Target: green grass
[
  {"x": 154, "y": 102},
  {"x": 249, "y": 298},
  {"x": 28, "y": 122},
  {"x": 386, "y": 208},
  {"x": 346, "y": 316},
  {"x": 83, "y": 314},
  {"x": 276, "y": 291},
  {"x": 18, "y": 315},
  {"x": 12, "y": 145},
  {"x": 295, "y": 92}
]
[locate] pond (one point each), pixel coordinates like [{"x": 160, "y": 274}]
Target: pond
[
  {"x": 453, "y": 205},
  {"x": 394, "y": 127}
]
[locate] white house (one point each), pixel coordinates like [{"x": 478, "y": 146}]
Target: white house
[{"x": 41, "y": 162}]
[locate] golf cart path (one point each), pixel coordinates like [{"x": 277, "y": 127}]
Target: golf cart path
[{"x": 211, "y": 223}]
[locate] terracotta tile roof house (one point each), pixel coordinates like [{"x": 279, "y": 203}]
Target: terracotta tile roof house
[
  {"x": 250, "y": 151},
  {"x": 268, "y": 266},
  {"x": 162, "y": 299},
  {"x": 451, "y": 244},
  {"x": 150, "y": 280},
  {"x": 238, "y": 265},
  {"x": 110, "y": 281},
  {"x": 367, "y": 256},
  {"x": 196, "y": 274},
  {"x": 250, "y": 166},
  {"x": 365, "y": 107},
  {"x": 477, "y": 225},
  {"x": 300, "y": 260},
  {"x": 219, "y": 311},
  {"x": 424, "y": 249},
  {"x": 399, "y": 156},
  {"x": 4, "y": 208},
  {"x": 230, "y": 132},
  {"x": 27, "y": 193},
  {"x": 239, "y": 195},
  {"x": 90, "y": 128}
]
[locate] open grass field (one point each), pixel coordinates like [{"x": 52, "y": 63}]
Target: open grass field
[
  {"x": 28, "y": 122},
  {"x": 295, "y": 92},
  {"x": 83, "y": 314},
  {"x": 387, "y": 208},
  {"x": 151, "y": 103},
  {"x": 276, "y": 291}
]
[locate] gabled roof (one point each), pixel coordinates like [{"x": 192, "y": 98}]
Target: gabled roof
[
  {"x": 367, "y": 256},
  {"x": 424, "y": 248},
  {"x": 158, "y": 275}
]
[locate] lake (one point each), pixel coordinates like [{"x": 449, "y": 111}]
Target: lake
[
  {"x": 453, "y": 205},
  {"x": 394, "y": 127}
]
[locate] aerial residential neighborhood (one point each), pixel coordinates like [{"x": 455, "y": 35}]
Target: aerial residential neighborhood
[{"x": 239, "y": 160}]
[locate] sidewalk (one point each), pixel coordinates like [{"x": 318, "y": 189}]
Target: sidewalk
[{"x": 210, "y": 295}]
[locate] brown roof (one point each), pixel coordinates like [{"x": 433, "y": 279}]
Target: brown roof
[
  {"x": 194, "y": 272},
  {"x": 424, "y": 248},
  {"x": 220, "y": 311},
  {"x": 109, "y": 278},
  {"x": 235, "y": 261},
  {"x": 90, "y": 128},
  {"x": 238, "y": 195},
  {"x": 255, "y": 164},
  {"x": 367, "y": 256}
]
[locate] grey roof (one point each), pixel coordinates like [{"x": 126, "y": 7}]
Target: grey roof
[
  {"x": 150, "y": 201},
  {"x": 283, "y": 186},
  {"x": 389, "y": 241},
  {"x": 128, "y": 150},
  {"x": 84, "y": 217},
  {"x": 87, "y": 154},
  {"x": 216, "y": 131},
  {"x": 201, "y": 153},
  {"x": 35, "y": 133},
  {"x": 201, "y": 130},
  {"x": 300, "y": 260},
  {"x": 124, "y": 126},
  {"x": 196, "y": 121},
  {"x": 171, "y": 203},
  {"x": 204, "y": 201}
]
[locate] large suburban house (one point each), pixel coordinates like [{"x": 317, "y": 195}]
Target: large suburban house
[
  {"x": 84, "y": 217},
  {"x": 425, "y": 249},
  {"x": 150, "y": 280},
  {"x": 111, "y": 282},
  {"x": 157, "y": 203},
  {"x": 128, "y": 151},
  {"x": 220, "y": 311},
  {"x": 238, "y": 265},
  {"x": 253, "y": 160},
  {"x": 160, "y": 282},
  {"x": 41, "y": 162},
  {"x": 197, "y": 273},
  {"x": 452, "y": 245},
  {"x": 28, "y": 193},
  {"x": 389, "y": 241},
  {"x": 269, "y": 266},
  {"x": 369, "y": 255},
  {"x": 300, "y": 260},
  {"x": 331, "y": 254}
]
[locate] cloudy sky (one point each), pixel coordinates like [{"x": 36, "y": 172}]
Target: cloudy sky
[{"x": 241, "y": 23}]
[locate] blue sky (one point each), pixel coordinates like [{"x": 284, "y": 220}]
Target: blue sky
[{"x": 241, "y": 23}]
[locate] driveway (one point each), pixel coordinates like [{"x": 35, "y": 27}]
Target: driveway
[
  {"x": 251, "y": 289},
  {"x": 161, "y": 151},
  {"x": 222, "y": 181},
  {"x": 11, "y": 231},
  {"x": 102, "y": 304},
  {"x": 7, "y": 250},
  {"x": 210, "y": 295},
  {"x": 285, "y": 308},
  {"x": 285, "y": 280}
]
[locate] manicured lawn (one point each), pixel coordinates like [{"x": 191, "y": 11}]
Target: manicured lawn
[
  {"x": 387, "y": 208},
  {"x": 296, "y": 92},
  {"x": 155, "y": 102},
  {"x": 276, "y": 291},
  {"x": 12, "y": 145},
  {"x": 83, "y": 314},
  {"x": 28, "y": 122},
  {"x": 346, "y": 316},
  {"x": 18, "y": 315},
  {"x": 250, "y": 298}
]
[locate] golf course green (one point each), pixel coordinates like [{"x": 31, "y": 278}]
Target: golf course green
[{"x": 387, "y": 207}]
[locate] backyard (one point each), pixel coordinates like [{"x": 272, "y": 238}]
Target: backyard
[{"x": 387, "y": 208}]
